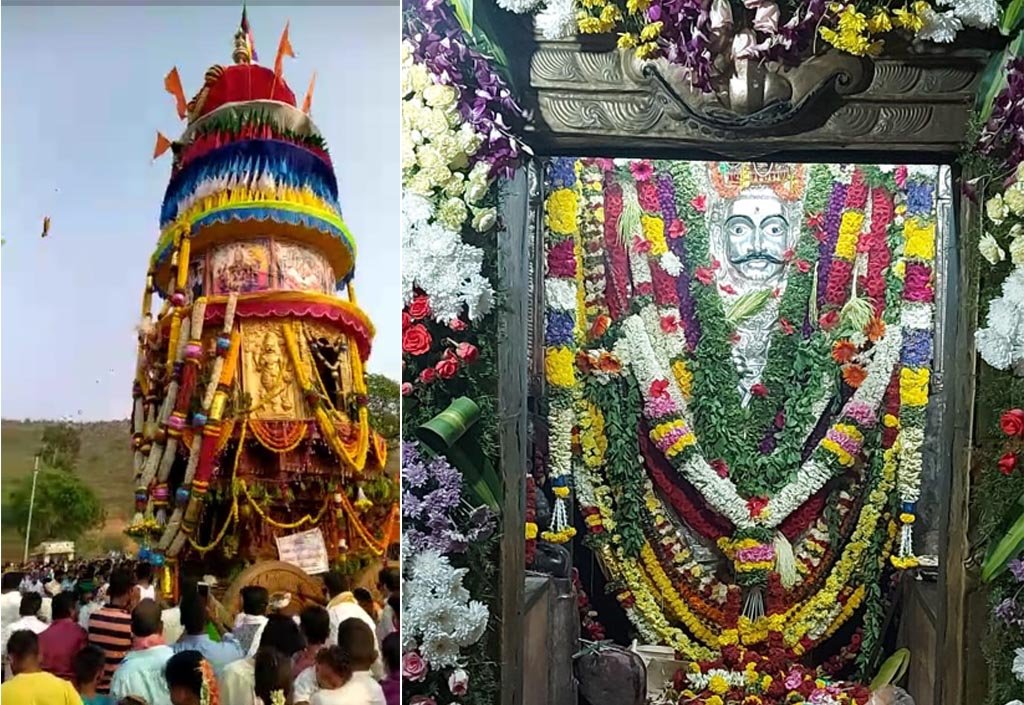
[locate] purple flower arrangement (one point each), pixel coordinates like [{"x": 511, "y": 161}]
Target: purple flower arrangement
[
  {"x": 686, "y": 36},
  {"x": 1002, "y": 137},
  {"x": 434, "y": 515},
  {"x": 559, "y": 328},
  {"x": 919, "y": 197},
  {"x": 833, "y": 216},
  {"x": 485, "y": 100},
  {"x": 917, "y": 347}
]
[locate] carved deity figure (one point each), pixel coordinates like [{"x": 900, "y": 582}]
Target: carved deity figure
[
  {"x": 275, "y": 378},
  {"x": 754, "y": 218}
]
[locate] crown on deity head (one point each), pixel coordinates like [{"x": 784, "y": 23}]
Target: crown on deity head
[{"x": 730, "y": 178}]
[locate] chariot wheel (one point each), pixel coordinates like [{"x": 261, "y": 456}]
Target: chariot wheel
[{"x": 277, "y": 577}]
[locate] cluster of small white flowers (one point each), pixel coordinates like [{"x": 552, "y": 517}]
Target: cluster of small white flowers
[
  {"x": 448, "y": 270},
  {"x": 558, "y": 19},
  {"x": 701, "y": 681},
  {"x": 438, "y": 616}
]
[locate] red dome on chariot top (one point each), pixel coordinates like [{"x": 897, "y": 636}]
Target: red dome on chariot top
[{"x": 239, "y": 83}]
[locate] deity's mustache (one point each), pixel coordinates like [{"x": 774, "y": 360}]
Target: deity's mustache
[{"x": 756, "y": 255}]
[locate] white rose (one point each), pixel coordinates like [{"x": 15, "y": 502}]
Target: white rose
[
  {"x": 996, "y": 209},
  {"x": 439, "y": 96},
  {"x": 1017, "y": 250},
  {"x": 990, "y": 249},
  {"x": 419, "y": 77},
  {"x": 1014, "y": 198},
  {"x": 475, "y": 191},
  {"x": 484, "y": 219}
]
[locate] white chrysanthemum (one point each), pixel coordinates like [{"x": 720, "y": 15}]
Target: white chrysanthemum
[
  {"x": 989, "y": 248},
  {"x": 416, "y": 209},
  {"x": 996, "y": 209},
  {"x": 981, "y": 14},
  {"x": 560, "y": 294},
  {"x": 558, "y": 19},
  {"x": 519, "y": 7},
  {"x": 939, "y": 27},
  {"x": 1018, "y": 663},
  {"x": 671, "y": 264},
  {"x": 446, "y": 269},
  {"x": 1001, "y": 342},
  {"x": 438, "y": 616}
]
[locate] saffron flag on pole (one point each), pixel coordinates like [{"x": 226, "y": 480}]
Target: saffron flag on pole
[
  {"x": 162, "y": 145},
  {"x": 172, "y": 84},
  {"x": 248, "y": 34},
  {"x": 283, "y": 49},
  {"x": 307, "y": 102}
]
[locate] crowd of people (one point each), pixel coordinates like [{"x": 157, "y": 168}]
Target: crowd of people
[{"x": 102, "y": 634}]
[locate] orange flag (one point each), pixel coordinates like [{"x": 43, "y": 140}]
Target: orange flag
[
  {"x": 283, "y": 49},
  {"x": 172, "y": 84},
  {"x": 307, "y": 102},
  {"x": 162, "y": 145}
]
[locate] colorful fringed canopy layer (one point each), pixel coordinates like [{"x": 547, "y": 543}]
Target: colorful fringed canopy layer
[{"x": 250, "y": 416}]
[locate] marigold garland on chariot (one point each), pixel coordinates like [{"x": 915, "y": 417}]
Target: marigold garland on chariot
[
  {"x": 250, "y": 418},
  {"x": 738, "y": 359}
]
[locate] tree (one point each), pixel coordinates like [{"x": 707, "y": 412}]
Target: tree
[
  {"x": 384, "y": 405},
  {"x": 65, "y": 507},
  {"x": 61, "y": 445}
]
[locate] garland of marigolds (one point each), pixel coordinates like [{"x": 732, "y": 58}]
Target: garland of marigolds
[{"x": 800, "y": 494}]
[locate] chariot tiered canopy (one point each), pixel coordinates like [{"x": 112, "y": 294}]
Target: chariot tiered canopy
[{"x": 250, "y": 417}]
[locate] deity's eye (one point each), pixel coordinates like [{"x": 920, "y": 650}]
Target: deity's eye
[
  {"x": 773, "y": 227},
  {"x": 738, "y": 227}
]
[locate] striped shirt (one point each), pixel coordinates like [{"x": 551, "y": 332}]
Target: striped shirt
[{"x": 110, "y": 628}]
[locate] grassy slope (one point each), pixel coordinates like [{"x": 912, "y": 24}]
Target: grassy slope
[{"x": 105, "y": 464}]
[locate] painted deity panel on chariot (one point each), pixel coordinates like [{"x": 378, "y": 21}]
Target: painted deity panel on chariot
[
  {"x": 271, "y": 376},
  {"x": 300, "y": 268},
  {"x": 240, "y": 267}
]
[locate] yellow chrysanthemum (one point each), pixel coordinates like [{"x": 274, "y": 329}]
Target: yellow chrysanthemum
[
  {"x": 914, "y": 386},
  {"x": 561, "y": 209},
  {"x": 684, "y": 378},
  {"x": 558, "y": 367},
  {"x": 646, "y": 50},
  {"x": 849, "y": 233},
  {"x": 920, "y": 239},
  {"x": 718, "y": 684},
  {"x": 637, "y": 6},
  {"x": 880, "y": 23},
  {"x": 654, "y": 233},
  {"x": 627, "y": 40},
  {"x": 651, "y": 31},
  {"x": 610, "y": 14},
  {"x": 907, "y": 19},
  {"x": 588, "y": 24}
]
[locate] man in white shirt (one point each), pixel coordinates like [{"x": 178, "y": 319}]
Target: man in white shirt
[
  {"x": 359, "y": 648},
  {"x": 10, "y": 597},
  {"x": 29, "y": 610},
  {"x": 252, "y": 619}
]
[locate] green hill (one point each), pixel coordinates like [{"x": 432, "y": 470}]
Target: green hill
[{"x": 105, "y": 463}]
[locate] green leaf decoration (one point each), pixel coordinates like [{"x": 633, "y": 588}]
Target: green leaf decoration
[
  {"x": 629, "y": 220},
  {"x": 1008, "y": 547},
  {"x": 894, "y": 668},
  {"x": 747, "y": 306},
  {"x": 464, "y": 14},
  {"x": 993, "y": 79},
  {"x": 855, "y": 315},
  {"x": 1013, "y": 16}
]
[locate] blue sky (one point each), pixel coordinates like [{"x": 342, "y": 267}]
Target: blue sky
[{"x": 83, "y": 97}]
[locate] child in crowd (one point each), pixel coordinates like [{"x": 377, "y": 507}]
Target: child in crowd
[
  {"x": 343, "y": 674},
  {"x": 190, "y": 679},
  {"x": 88, "y": 669}
]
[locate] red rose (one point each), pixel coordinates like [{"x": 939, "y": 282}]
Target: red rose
[
  {"x": 1008, "y": 463},
  {"x": 416, "y": 339},
  {"x": 829, "y": 320},
  {"x": 759, "y": 390},
  {"x": 1012, "y": 422},
  {"x": 669, "y": 323},
  {"x": 406, "y": 389},
  {"x": 406, "y": 320},
  {"x": 419, "y": 308},
  {"x": 467, "y": 352},
  {"x": 457, "y": 324},
  {"x": 428, "y": 375},
  {"x": 447, "y": 367},
  {"x": 659, "y": 387}
]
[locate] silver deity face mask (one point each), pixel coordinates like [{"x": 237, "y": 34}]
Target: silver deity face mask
[{"x": 757, "y": 235}]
